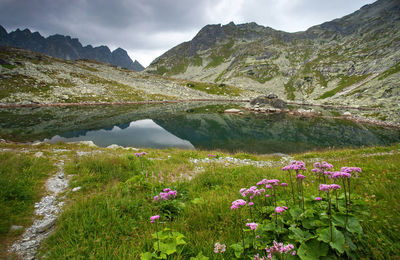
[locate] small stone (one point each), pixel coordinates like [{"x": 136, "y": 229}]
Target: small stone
[
  {"x": 232, "y": 110},
  {"x": 347, "y": 113},
  {"x": 76, "y": 188},
  {"x": 45, "y": 225},
  {"x": 38, "y": 154}
]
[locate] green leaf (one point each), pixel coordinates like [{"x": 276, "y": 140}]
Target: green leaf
[
  {"x": 337, "y": 238},
  {"x": 339, "y": 219},
  {"x": 312, "y": 250},
  {"x": 238, "y": 249},
  {"x": 296, "y": 213},
  {"x": 167, "y": 248},
  {"x": 353, "y": 226},
  {"x": 199, "y": 256},
  {"x": 299, "y": 235},
  {"x": 146, "y": 256}
]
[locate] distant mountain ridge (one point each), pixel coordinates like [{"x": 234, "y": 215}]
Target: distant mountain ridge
[
  {"x": 65, "y": 47},
  {"x": 316, "y": 64}
]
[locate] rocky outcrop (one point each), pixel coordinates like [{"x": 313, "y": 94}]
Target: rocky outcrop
[
  {"x": 269, "y": 100},
  {"x": 65, "y": 47}
]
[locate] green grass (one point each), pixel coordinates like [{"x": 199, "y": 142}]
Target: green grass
[
  {"x": 290, "y": 89},
  {"x": 392, "y": 70},
  {"x": 220, "y": 54},
  {"x": 196, "y": 60},
  {"x": 20, "y": 83},
  {"x": 109, "y": 217},
  {"x": 216, "y": 89},
  {"x": 344, "y": 82},
  {"x": 8, "y": 66},
  {"x": 22, "y": 183}
]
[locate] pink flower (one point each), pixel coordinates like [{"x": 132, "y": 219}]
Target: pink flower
[
  {"x": 262, "y": 182},
  {"x": 279, "y": 248},
  {"x": 280, "y": 209},
  {"x": 219, "y": 248},
  {"x": 252, "y": 226},
  {"x": 268, "y": 186},
  {"x": 327, "y": 187},
  {"x": 284, "y": 184},
  {"x": 238, "y": 203},
  {"x": 318, "y": 198},
  {"x": 251, "y": 192},
  {"x": 154, "y": 218},
  {"x": 140, "y": 154},
  {"x": 301, "y": 176},
  {"x": 296, "y": 166},
  {"x": 273, "y": 181},
  {"x": 167, "y": 194},
  {"x": 267, "y": 195},
  {"x": 211, "y": 155},
  {"x": 251, "y": 203}
]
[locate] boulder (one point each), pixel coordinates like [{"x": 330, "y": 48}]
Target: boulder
[{"x": 265, "y": 100}]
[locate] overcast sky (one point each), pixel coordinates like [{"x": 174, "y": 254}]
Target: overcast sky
[{"x": 148, "y": 28}]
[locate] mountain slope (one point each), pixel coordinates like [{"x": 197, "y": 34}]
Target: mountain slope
[
  {"x": 65, "y": 47},
  {"x": 313, "y": 65}
]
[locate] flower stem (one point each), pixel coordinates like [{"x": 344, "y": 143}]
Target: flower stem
[
  {"x": 291, "y": 185},
  {"x": 348, "y": 181},
  {"x": 158, "y": 240},
  {"x": 302, "y": 194},
  {"x": 330, "y": 214},
  {"x": 241, "y": 231}
]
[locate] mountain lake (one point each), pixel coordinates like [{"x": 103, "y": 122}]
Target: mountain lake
[{"x": 189, "y": 126}]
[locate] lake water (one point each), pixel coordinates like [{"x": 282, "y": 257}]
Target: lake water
[{"x": 188, "y": 126}]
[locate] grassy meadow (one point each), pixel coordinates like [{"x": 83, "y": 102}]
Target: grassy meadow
[{"x": 109, "y": 217}]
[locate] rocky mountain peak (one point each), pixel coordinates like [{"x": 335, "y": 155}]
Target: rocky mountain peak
[{"x": 65, "y": 47}]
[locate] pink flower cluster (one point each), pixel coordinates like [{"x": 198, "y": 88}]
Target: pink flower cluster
[
  {"x": 351, "y": 169},
  {"x": 280, "y": 209},
  {"x": 270, "y": 182},
  {"x": 321, "y": 168},
  {"x": 337, "y": 175},
  {"x": 140, "y": 154},
  {"x": 318, "y": 198},
  {"x": 327, "y": 187},
  {"x": 355, "y": 170},
  {"x": 154, "y": 218},
  {"x": 167, "y": 194},
  {"x": 280, "y": 248},
  {"x": 251, "y": 192},
  {"x": 301, "y": 176},
  {"x": 257, "y": 257},
  {"x": 252, "y": 226},
  {"x": 219, "y": 248},
  {"x": 238, "y": 203},
  {"x": 295, "y": 165}
]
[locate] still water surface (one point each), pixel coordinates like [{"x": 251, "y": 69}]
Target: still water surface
[{"x": 188, "y": 126}]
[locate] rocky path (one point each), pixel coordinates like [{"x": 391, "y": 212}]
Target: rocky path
[{"x": 46, "y": 210}]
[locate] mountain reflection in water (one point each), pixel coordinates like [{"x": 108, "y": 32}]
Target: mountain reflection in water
[{"x": 141, "y": 133}]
